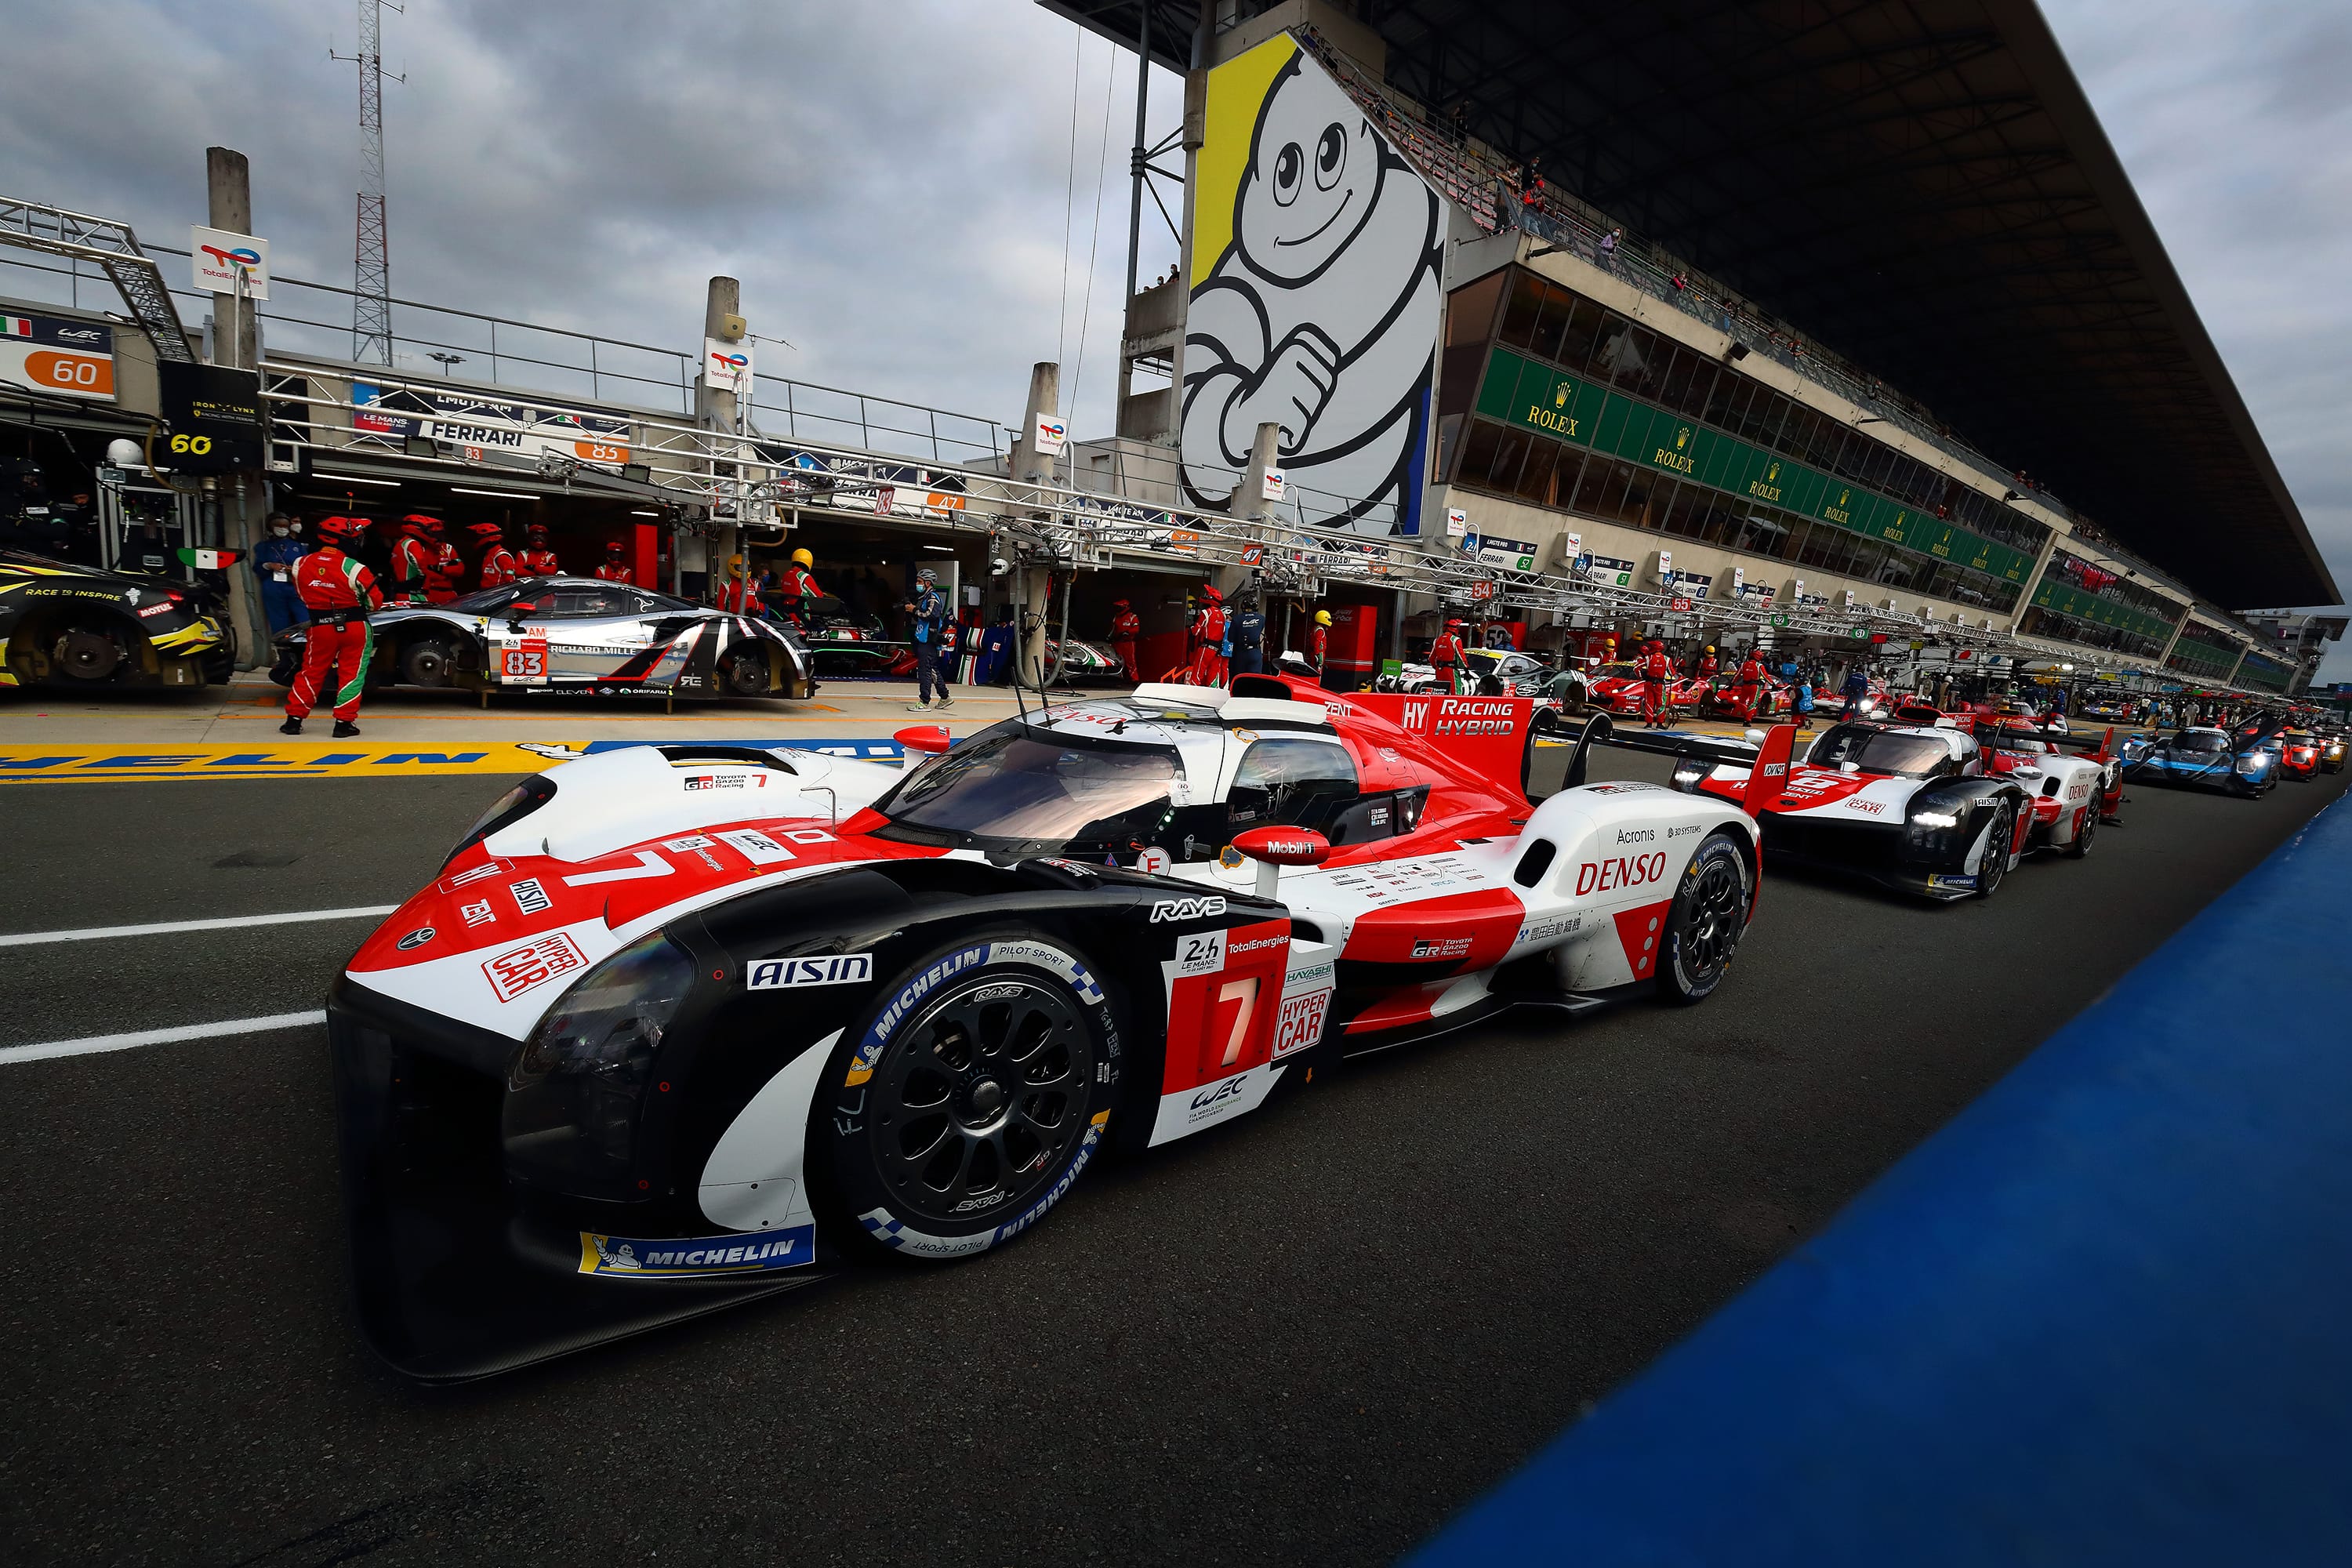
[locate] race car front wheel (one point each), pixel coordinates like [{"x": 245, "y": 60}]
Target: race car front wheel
[
  {"x": 973, "y": 1099},
  {"x": 1709, "y": 916},
  {"x": 2083, "y": 830},
  {"x": 1998, "y": 841}
]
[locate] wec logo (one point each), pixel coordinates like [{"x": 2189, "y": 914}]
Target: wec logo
[{"x": 1187, "y": 908}]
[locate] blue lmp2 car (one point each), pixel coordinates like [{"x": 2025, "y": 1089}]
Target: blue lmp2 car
[{"x": 2244, "y": 761}]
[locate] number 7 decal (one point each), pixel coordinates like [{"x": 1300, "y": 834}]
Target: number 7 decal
[{"x": 1243, "y": 994}]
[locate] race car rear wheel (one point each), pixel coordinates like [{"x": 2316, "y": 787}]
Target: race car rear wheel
[
  {"x": 971, "y": 1100},
  {"x": 1708, "y": 917},
  {"x": 744, "y": 674},
  {"x": 1997, "y": 842},
  {"x": 2084, "y": 831}
]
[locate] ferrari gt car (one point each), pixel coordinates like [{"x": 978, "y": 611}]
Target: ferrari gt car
[
  {"x": 63, "y": 625},
  {"x": 680, "y": 1024},
  {"x": 578, "y": 635}
]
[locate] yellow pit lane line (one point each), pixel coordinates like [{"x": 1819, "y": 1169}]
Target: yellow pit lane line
[{"x": 352, "y": 759}]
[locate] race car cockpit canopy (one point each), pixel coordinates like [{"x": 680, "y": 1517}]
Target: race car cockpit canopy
[{"x": 1922, "y": 754}]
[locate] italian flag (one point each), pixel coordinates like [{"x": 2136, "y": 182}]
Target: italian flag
[
  {"x": 208, "y": 559},
  {"x": 15, "y": 326}
]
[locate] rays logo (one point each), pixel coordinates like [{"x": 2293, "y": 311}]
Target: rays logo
[{"x": 1187, "y": 908}]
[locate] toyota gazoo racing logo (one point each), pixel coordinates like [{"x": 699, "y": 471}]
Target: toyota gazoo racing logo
[
  {"x": 1441, "y": 947},
  {"x": 1620, "y": 871},
  {"x": 1187, "y": 908}
]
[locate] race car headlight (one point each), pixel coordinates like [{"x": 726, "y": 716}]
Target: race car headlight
[
  {"x": 1689, "y": 774},
  {"x": 1933, "y": 828},
  {"x": 574, "y": 1090},
  {"x": 2253, "y": 764}
]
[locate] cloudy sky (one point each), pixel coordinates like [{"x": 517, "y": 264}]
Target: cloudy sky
[{"x": 905, "y": 196}]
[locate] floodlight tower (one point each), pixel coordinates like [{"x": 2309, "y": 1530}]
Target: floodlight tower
[{"x": 372, "y": 253}]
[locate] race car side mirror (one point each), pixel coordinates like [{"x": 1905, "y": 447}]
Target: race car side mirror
[
  {"x": 1275, "y": 847},
  {"x": 932, "y": 739}
]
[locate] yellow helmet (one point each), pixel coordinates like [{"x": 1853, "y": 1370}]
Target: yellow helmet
[
  {"x": 735, "y": 564},
  {"x": 1710, "y": 648},
  {"x": 803, "y": 558},
  {"x": 1322, "y": 617}
]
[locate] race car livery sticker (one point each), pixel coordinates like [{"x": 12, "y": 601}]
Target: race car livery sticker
[
  {"x": 478, "y": 913},
  {"x": 1300, "y": 1024},
  {"x": 696, "y": 1256},
  {"x": 784, "y": 974},
  {"x": 533, "y": 965},
  {"x": 754, "y": 846},
  {"x": 1948, "y": 879},
  {"x": 530, "y": 897},
  {"x": 1200, "y": 953},
  {"x": 1549, "y": 927}
]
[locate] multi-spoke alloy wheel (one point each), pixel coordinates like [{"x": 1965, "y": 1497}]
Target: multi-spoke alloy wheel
[
  {"x": 961, "y": 1117},
  {"x": 1995, "y": 864},
  {"x": 1708, "y": 918}
]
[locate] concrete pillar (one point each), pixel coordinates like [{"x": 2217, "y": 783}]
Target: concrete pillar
[
  {"x": 228, "y": 200},
  {"x": 1029, "y": 465},
  {"x": 716, "y": 410}
]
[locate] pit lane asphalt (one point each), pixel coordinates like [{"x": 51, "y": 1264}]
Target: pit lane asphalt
[{"x": 1307, "y": 1337}]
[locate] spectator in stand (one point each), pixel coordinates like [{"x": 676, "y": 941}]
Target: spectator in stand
[
  {"x": 1609, "y": 242},
  {"x": 1458, "y": 122},
  {"x": 1680, "y": 283}
]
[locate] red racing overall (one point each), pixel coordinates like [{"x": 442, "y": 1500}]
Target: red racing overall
[
  {"x": 447, "y": 571},
  {"x": 339, "y": 592},
  {"x": 1445, "y": 657},
  {"x": 1317, "y": 641},
  {"x": 540, "y": 563},
  {"x": 1208, "y": 644},
  {"x": 1751, "y": 687},
  {"x": 1656, "y": 670},
  {"x": 1126, "y": 627},
  {"x": 497, "y": 566},
  {"x": 412, "y": 570}
]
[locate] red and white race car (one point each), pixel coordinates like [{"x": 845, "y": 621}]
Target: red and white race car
[
  {"x": 2072, "y": 795},
  {"x": 677, "y": 1025},
  {"x": 1619, "y": 689},
  {"x": 1913, "y": 808}
]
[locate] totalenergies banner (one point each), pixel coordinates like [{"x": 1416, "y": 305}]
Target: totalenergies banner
[
  {"x": 57, "y": 354},
  {"x": 1316, "y": 296},
  {"x": 480, "y": 425}
]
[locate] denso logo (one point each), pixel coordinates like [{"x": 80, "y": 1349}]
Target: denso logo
[
  {"x": 1600, "y": 877},
  {"x": 1187, "y": 908}
]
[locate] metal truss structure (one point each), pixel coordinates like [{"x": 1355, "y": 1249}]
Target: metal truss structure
[{"x": 114, "y": 250}]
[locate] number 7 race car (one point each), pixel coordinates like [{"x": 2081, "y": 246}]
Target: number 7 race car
[{"x": 680, "y": 1026}]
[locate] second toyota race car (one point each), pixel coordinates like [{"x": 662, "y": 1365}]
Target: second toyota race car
[
  {"x": 1910, "y": 806},
  {"x": 680, "y": 1024}
]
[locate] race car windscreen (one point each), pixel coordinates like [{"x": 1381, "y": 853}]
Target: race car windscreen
[
  {"x": 1880, "y": 752},
  {"x": 2194, "y": 741},
  {"x": 1018, "y": 786}
]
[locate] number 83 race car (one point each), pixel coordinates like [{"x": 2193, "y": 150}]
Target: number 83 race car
[{"x": 676, "y": 1026}]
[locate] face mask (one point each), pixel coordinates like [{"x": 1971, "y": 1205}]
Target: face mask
[
  {"x": 297, "y": 529},
  {"x": 279, "y": 531}
]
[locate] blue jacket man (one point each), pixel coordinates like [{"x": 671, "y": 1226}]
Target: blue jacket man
[
  {"x": 273, "y": 563},
  {"x": 1247, "y": 634},
  {"x": 927, "y": 615},
  {"x": 1857, "y": 687}
]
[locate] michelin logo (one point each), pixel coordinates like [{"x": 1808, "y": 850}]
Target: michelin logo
[
  {"x": 785, "y": 973},
  {"x": 674, "y": 1257}
]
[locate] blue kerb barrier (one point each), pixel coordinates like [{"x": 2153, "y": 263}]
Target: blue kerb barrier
[{"x": 2105, "y": 1316}]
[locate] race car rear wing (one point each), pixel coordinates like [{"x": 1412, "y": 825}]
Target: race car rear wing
[{"x": 1767, "y": 763}]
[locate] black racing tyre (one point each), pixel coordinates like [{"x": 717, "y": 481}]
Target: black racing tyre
[
  {"x": 426, "y": 662},
  {"x": 971, "y": 1100},
  {"x": 2084, "y": 834},
  {"x": 1703, "y": 925},
  {"x": 282, "y": 672},
  {"x": 1995, "y": 864},
  {"x": 90, "y": 652}
]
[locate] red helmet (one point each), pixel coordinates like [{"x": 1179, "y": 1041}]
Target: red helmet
[
  {"x": 417, "y": 525},
  {"x": 1119, "y": 604},
  {"x": 342, "y": 533},
  {"x": 1209, "y": 591},
  {"x": 613, "y": 549},
  {"x": 486, "y": 531},
  {"x": 1453, "y": 626},
  {"x": 536, "y": 531}
]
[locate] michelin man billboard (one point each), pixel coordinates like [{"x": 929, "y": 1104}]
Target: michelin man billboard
[{"x": 1316, "y": 296}]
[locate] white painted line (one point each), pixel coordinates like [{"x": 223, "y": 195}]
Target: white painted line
[
  {"x": 92, "y": 933},
  {"x": 93, "y": 1044}
]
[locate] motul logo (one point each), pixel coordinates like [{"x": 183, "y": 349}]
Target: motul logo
[{"x": 1623, "y": 871}]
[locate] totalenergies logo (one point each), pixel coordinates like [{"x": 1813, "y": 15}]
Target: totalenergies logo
[
  {"x": 734, "y": 362},
  {"x": 245, "y": 259}
]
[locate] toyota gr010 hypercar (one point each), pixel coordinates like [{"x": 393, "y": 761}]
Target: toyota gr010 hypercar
[
  {"x": 1910, "y": 806},
  {"x": 680, "y": 1024},
  {"x": 2204, "y": 758},
  {"x": 62, "y": 625},
  {"x": 577, "y": 634},
  {"x": 2072, "y": 796}
]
